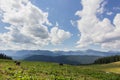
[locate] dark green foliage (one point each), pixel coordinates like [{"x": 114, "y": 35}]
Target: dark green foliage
[
  {"x": 3, "y": 56},
  {"x": 109, "y": 59}
]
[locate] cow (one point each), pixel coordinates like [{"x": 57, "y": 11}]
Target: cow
[
  {"x": 61, "y": 64},
  {"x": 17, "y": 63}
]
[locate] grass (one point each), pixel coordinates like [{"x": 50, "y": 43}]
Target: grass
[
  {"x": 111, "y": 67},
  {"x": 53, "y": 71}
]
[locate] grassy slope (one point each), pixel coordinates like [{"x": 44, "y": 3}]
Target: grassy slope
[
  {"x": 52, "y": 71},
  {"x": 111, "y": 67}
]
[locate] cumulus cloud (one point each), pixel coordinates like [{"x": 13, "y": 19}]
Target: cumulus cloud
[
  {"x": 109, "y": 13},
  {"x": 73, "y": 23},
  {"x": 101, "y": 9},
  {"x": 116, "y": 8},
  {"x": 58, "y": 35},
  {"x": 96, "y": 31},
  {"x": 28, "y": 25}
]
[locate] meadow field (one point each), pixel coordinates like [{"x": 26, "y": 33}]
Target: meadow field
[{"x": 53, "y": 71}]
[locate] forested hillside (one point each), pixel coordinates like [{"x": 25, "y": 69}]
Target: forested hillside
[
  {"x": 3, "y": 56},
  {"x": 109, "y": 59}
]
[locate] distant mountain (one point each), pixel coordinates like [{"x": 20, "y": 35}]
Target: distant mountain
[
  {"x": 23, "y": 54},
  {"x": 66, "y": 59}
]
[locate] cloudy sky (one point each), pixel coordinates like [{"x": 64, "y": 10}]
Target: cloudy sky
[{"x": 60, "y": 24}]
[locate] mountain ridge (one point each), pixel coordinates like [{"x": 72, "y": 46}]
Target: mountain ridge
[
  {"x": 23, "y": 54},
  {"x": 64, "y": 59}
]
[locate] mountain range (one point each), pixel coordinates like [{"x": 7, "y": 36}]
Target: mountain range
[{"x": 67, "y": 57}]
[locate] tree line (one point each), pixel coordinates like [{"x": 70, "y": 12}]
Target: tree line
[
  {"x": 106, "y": 60},
  {"x": 3, "y": 56}
]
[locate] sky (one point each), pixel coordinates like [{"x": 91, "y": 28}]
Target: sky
[{"x": 60, "y": 25}]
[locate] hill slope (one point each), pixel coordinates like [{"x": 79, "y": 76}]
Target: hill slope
[
  {"x": 65, "y": 59},
  {"x": 53, "y": 71}
]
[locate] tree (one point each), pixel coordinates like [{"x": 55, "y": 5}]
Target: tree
[
  {"x": 106, "y": 60},
  {"x": 3, "y": 56}
]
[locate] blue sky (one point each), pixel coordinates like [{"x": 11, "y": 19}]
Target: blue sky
[
  {"x": 63, "y": 11},
  {"x": 60, "y": 24}
]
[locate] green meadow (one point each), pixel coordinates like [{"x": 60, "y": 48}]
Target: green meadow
[{"x": 53, "y": 71}]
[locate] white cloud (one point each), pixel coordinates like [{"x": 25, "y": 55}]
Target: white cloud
[
  {"x": 58, "y": 35},
  {"x": 28, "y": 25},
  {"x": 101, "y": 9},
  {"x": 109, "y": 13},
  {"x": 116, "y": 8},
  {"x": 95, "y": 31},
  {"x": 61, "y": 49},
  {"x": 73, "y": 23}
]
